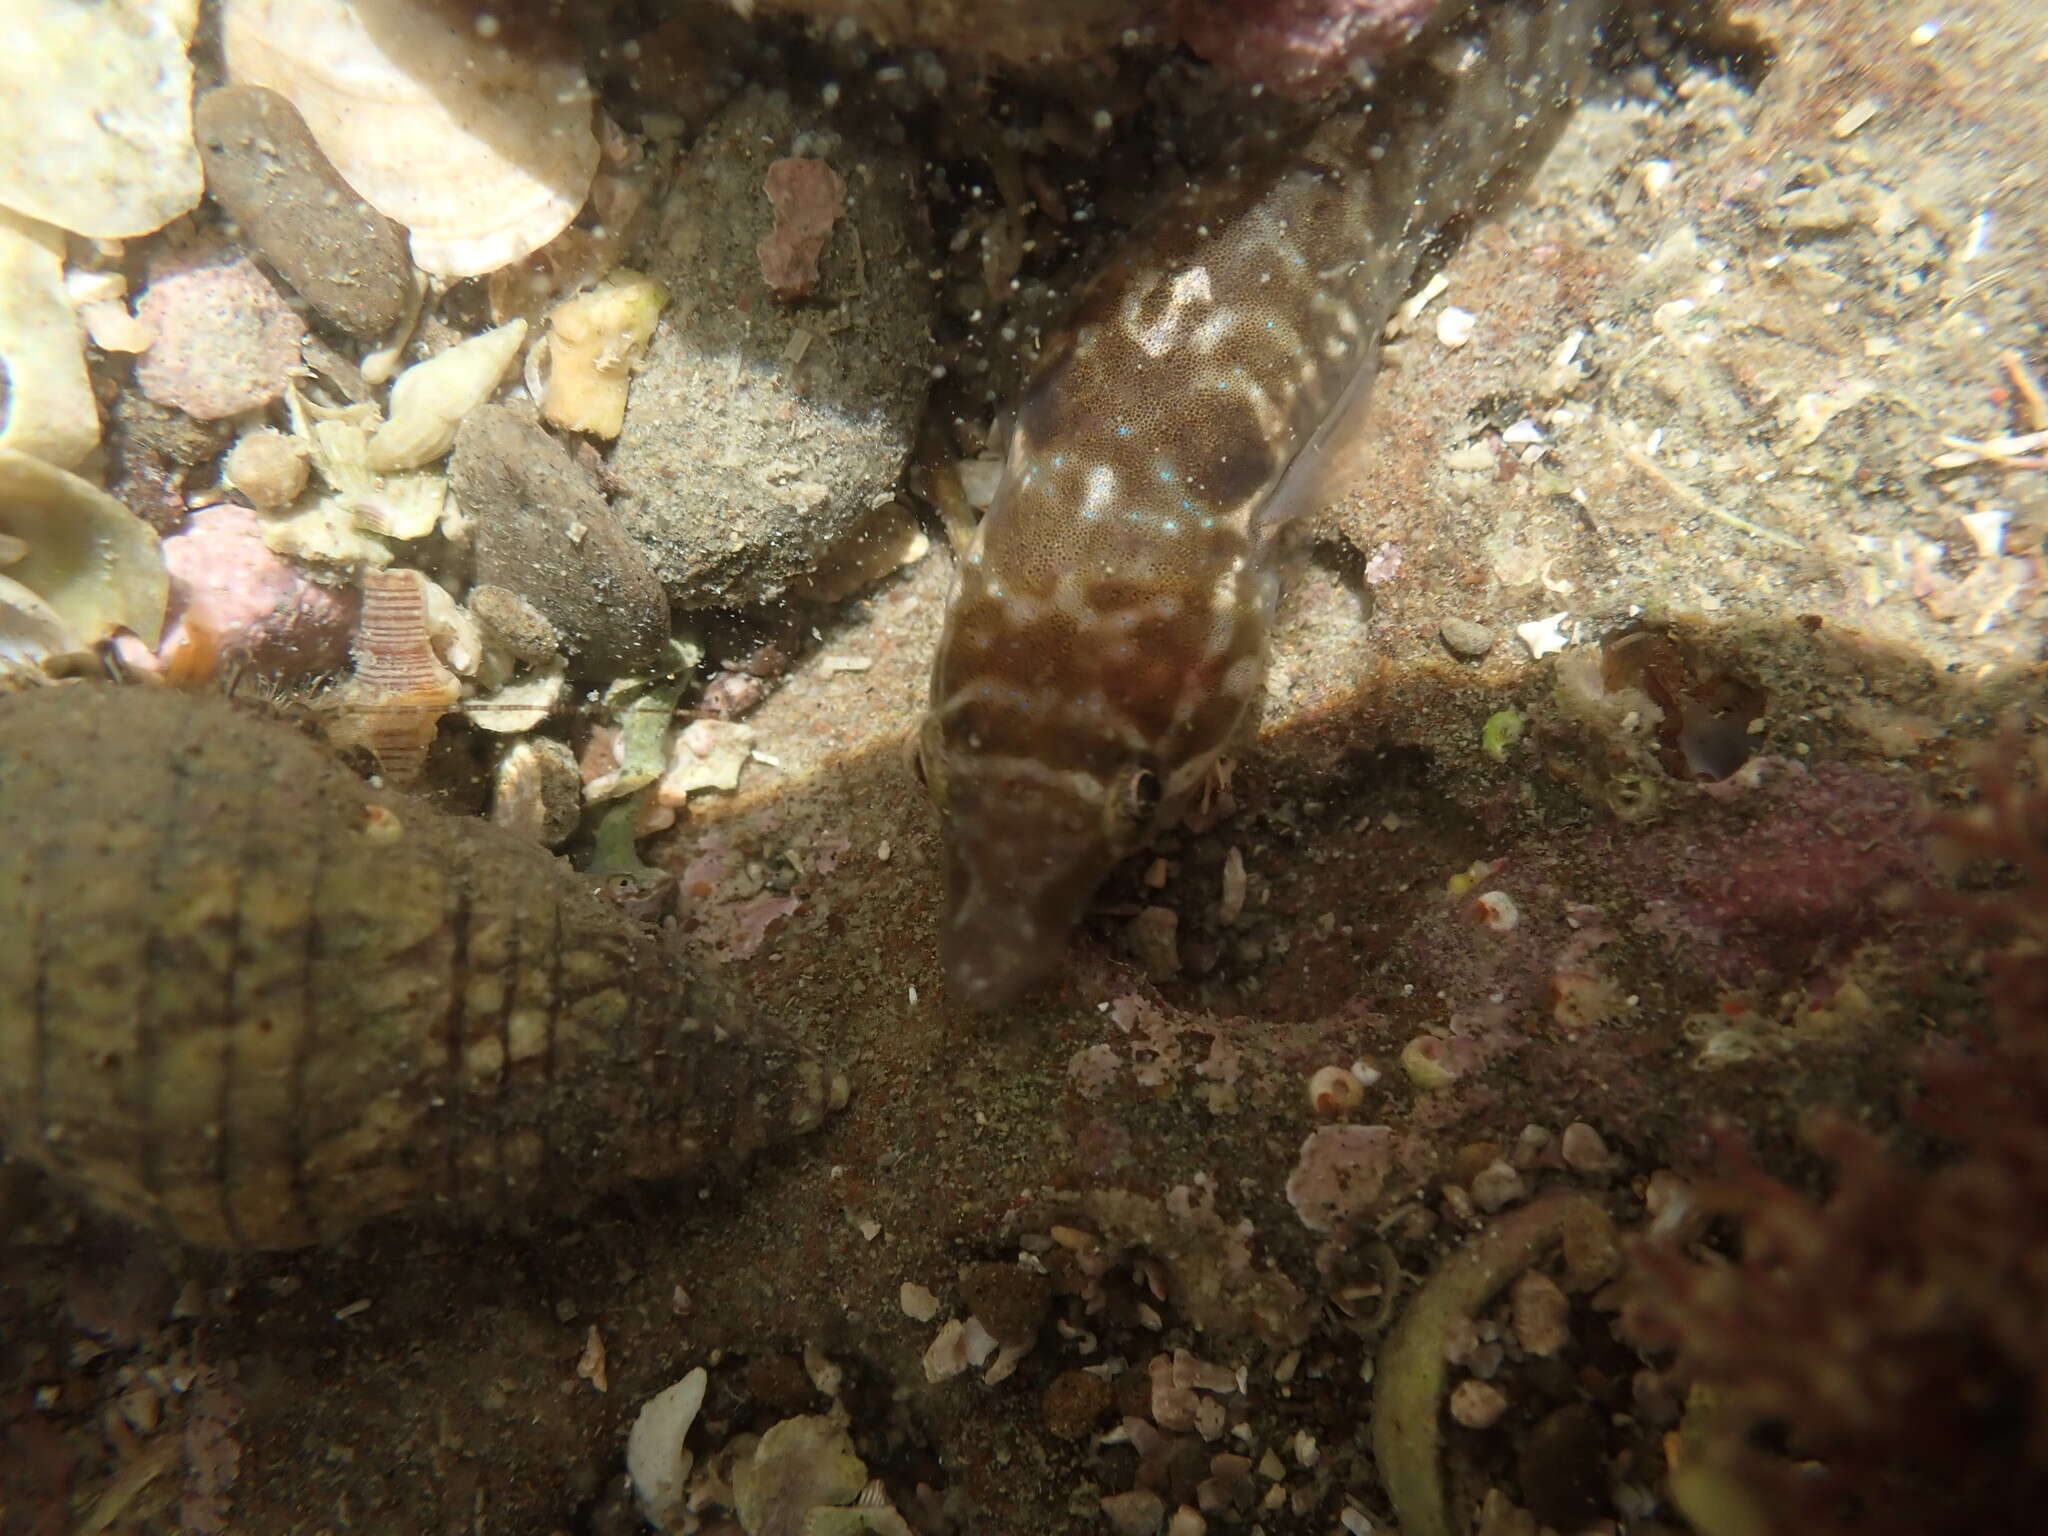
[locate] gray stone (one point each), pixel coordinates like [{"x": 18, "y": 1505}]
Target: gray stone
[
  {"x": 760, "y": 431},
  {"x": 295, "y": 212},
  {"x": 1464, "y": 638},
  {"x": 545, "y": 535}
]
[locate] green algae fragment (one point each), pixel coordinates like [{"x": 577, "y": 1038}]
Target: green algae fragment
[
  {"x": 1502, "y": 730},
  {"x": 1409, "y": 1377}
]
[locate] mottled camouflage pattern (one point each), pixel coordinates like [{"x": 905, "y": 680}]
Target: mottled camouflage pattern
[{"x": 1107, "y": 630}]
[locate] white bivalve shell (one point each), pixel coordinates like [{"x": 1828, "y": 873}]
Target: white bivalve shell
[
  {"x": 48, "y": 409},
  {"x": 478, "y": 140},
  {"x": 94, "y": 563},
  {"x": 96, "y": 133}
]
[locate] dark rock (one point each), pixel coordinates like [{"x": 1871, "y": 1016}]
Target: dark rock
[
  {"x": 759, "y": 433},
  {"x": 295, "y": 212},
  {"x": 1075, "y": 1402},
  {"x": 545, "y": 534},
  {"x": 1010, "y": 1302},
  {"x": 1563, "y": 1468}
]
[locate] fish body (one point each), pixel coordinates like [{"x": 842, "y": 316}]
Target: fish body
[{"x": 1107, "y": 629}]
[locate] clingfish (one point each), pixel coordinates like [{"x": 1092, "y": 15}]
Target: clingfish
[{"x": 1106, "y": 634}]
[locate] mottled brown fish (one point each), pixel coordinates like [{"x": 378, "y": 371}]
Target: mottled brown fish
[{"x": 1107, "y": 630}]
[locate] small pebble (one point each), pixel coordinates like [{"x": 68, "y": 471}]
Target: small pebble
[
  {"x": 1153, "y": 935},
  {"x": 225, "y": 338},
  {"x": 267, "y": 467},
  {"x": 1464, "y": 638},
  {"x": 1136, "y": 1513},
  {"x": 1495, "y": 1186},
  {"x": 1010, "y": 1302},
  {"x": 1477, "y": 1404},
  {"x": 1075, "y": 1402},
  {"x": 544, "y": 533},
  {"x": 1584, "y": 1150},
  {"x": 1541, "y": 1313}
]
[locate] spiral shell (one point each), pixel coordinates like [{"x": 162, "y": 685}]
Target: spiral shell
[
  {"x": 394, "y": 703},
  {"x": 249, "y": 1001}
]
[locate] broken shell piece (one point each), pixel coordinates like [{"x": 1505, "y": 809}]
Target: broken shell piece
[
  {"x": 656, "y": 1459},
  {"x": 430, "y": 399},
  {"x": 267, "y": 467},
  {"x": 398, "y": 505},
  {"x": 538, "y": 792},
  {"x": 800, "y": 1464},
  {"x": 886, "y": 539},
  {"x": 49, "y": 409},
  {"x": 394, "y": 703},
  {"x": 29, "y": 628},
  {"x": 96, "y": 564},
  {"x": 595, "y": 341},
  {"x": 521, "y": 704},
  {"x": 99, "y": 103},
  {"x": 480, "y": 145},
  {"x": 101, "y": 302},
  {"x": 458, "y": 638},
  {"x": 708, "y": 754}
]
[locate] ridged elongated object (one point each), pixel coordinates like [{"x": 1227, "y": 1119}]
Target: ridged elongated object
[{"x": 249, "y": 1001}]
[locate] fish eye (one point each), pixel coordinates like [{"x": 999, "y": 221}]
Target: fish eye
[
  {"x": 1132, "y": 804},
  {"x": 1141, "y": 795}
]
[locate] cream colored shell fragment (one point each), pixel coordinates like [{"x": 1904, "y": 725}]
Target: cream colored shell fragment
[
  {"x": 49, "y": 409},
  {"x": 481, "y": 146},
  {"x": 29, "y": 628},
  {"x": 430, "y": 399},
  {"x": 95, "y": 563},
  {"x": 96, "y": 134},
  {"x": 595, "y": 341}
]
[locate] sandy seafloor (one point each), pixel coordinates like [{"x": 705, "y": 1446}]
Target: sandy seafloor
[{"x": 1749, "y": 367}]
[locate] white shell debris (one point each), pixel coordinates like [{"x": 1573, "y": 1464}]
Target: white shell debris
[
  {"x": 520, "y": 704},
  {"x": 656, "y": 1458},
  {"x": 800, "y": 1464},
  {"x": 50, "y": 411},
  {"x": 595, "y": 341},
  {"x": 29, "y": 628},
  {"x": 430, "y": 399},
  {"x": 946, "y": 1356},
  {"x": 1454, "y": 326},
  {"x": 91, "y": 560},
  {"x": 481, "y": 146},
  {"x": 707, "y": 754},
  {"x": 918, "y": 1303},
  {"x": 97, "y": 134},
  {"x": 1544, "y": 636}
]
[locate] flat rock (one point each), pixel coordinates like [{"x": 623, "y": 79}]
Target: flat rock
[
  {"x": 342, "y": 256},
  {"x": 761, "y": 431},
  {"x": 544, "y": 532}
]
